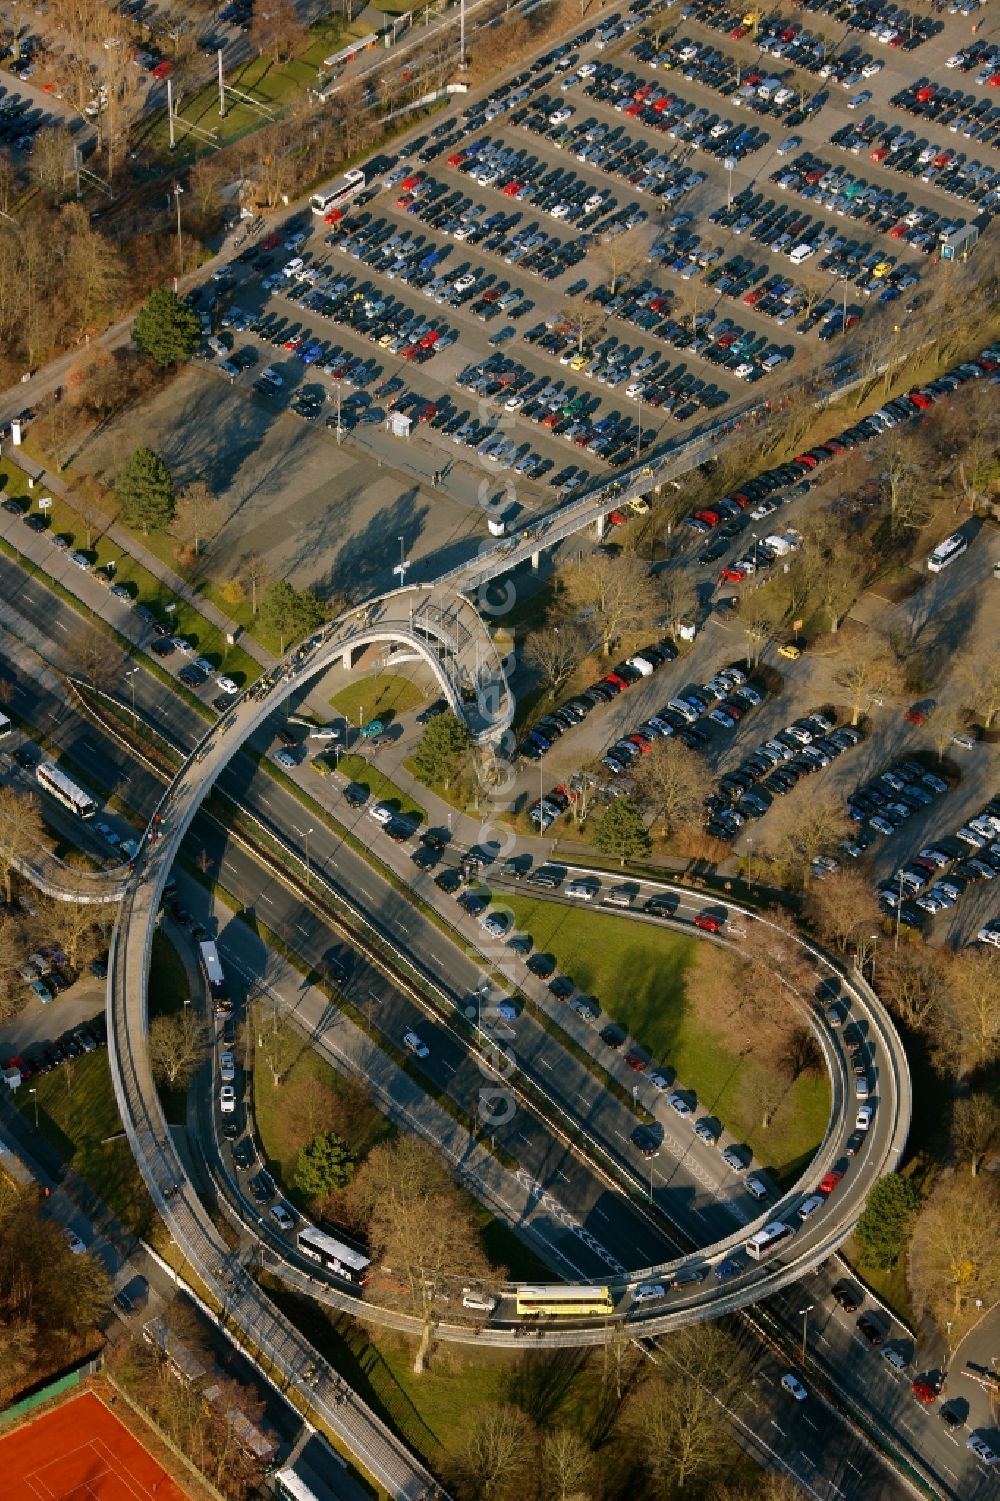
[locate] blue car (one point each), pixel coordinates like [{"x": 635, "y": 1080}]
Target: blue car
[{"x": 731, "y": 1267}]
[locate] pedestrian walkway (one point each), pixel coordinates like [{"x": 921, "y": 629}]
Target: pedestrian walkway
[{"x": 134, "y": 548}]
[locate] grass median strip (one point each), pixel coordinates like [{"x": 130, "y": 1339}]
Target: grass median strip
[{"x": 381, "y": 788}]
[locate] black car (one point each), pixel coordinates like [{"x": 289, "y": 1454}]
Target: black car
[
  {"x": 562, "y": 987},
  {"x": 26, "y": 756},
  {"x": 854, "y": 1143},
  {"x": 262, "y": 1187},
  {"x": 433, "y": 841},
  {"x": 869, "y": 1330},
  {"x": 448, "y": 880},
  {"x": 231, "y": 1130},
  {"x": 355, "y": 797},
  {"x": 99, "y": 968},
  {"x": 162, "y": 647},
  {"x": 847, "y": 1296},
  {"x": 180, "y": 915},
  {"x": 243, "y": 1153},
  {"x": 439, "y": 706}
]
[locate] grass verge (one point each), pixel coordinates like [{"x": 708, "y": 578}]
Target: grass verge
[
  {"x": 638, "y": 975},
  {"x": 383, "y": 697},
  {"x": 78, "y": 1116}
]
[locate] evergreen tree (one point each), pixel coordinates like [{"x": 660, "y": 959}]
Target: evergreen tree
[
  {"x": 327, "y": 1163},
  {"x": 884, "y": 1226},
  {"x": 621, "y": 831},
  {"x": 145, "y": 491},
  {"x": 166, "y": 328},
  {"x": 441, "y": 749}
]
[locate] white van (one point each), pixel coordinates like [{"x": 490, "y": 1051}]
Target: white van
[
  {"x": 618, "y": 898},
  {"x": 641, "y": 665},
  {"x": 801, "y": 253},
  {"x": 581, "y": 890}
]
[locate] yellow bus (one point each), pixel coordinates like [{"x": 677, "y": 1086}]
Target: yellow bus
[{"x": 564, "y": 1301}]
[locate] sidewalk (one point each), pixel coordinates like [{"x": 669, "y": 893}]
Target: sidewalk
[{"x": 134, "y": 548}]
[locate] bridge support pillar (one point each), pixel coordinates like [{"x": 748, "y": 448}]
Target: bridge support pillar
[
  {"x": 347, "y": 660},
  {"x": 535, "y": 556},
  {"x": 599, "y": 525}
]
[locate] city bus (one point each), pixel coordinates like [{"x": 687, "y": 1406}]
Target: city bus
[
  {"x": 338, "y": 1258},
  {"x": 68, "y": 793},
  {"x": 339, "y": 193},
  {"x": 947, "y": 551},
  {"x": 565, "y": 1302},
  {"x": 768, "y": 1239},
  {"x": 215, "y": 979}
]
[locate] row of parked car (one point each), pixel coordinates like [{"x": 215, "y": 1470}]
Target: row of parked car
[
  {"x": 789, "y": 41},
  {"x": 903, "y": 151},
  {"x": 752, "y": 89},
  {"x": 663, "y": 110},
  {"x": 649, "y": 376},
  {"x": 44, "y": 1057},
  {"x": 926, "y": 100},
  {"x": 936, "y": 877},
  {"x": 982, "y": 55},
  {"x": 541, "y": 736},
  {"x": 801, "y": 236}
]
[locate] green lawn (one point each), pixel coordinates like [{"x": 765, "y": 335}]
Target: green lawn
[
  {"x": 77, "y": 1113},
  {"x": 638, "y": 975},
  {"x": 313, "y": 1097},
  {"x": 381, "y": 788},
  {"x": 382, "y": 697}
]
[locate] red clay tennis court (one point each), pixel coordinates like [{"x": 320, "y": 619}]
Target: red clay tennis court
[{"x": 80, "y": 1452}]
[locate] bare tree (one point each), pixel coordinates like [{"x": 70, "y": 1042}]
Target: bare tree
[
  {"x": 21, "y": 832},
  {"x": 980, "y": 678},
  {"x": 678, "y": 597},
  {"x": 497, "y": 1452},
  {"x": 253, "y": 575},
  {"x": 76, "y": 926},
  {"x": 51, "y": 158},
  {"x": 974, "y": 989},
  {"x": 553, "y": 652},
  {"x": 197, "y": 514},
  {"x": 975, "y": 1120},
  {"x": 583, "y": 318},
  {"x": 807, "y": 824},
  {"x": 677, "y": 1415},
  {"x": 616, "y": 590},
  {"x": 954, "y": 1260},
  {"x": 178, "y": 1042},
  {"x": 100, "y": 662},
  {"x": 420, "y": 1224},
  {"x": 621, "y": 255},
  {"x": 669, "y": 782},
  {"x": 567, "y": 1463},
  {"x": 276, "y": 31},
  {"x": 867, "y": 671},
  {"x": 843, "y": 909}
]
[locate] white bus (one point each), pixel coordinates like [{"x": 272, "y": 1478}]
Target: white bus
[
  {"x": 339, "y": 193},
  {"x": 766, "y": 1240},
  {"x": 947, "y": 551},
  {"x": 215, "y": 978},
  {"x": 69, "y": 794},
  {"x": 5, "y": 726},
  {"x": 343, "y": 1261}
]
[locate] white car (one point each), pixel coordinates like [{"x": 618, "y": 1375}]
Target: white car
[
  {"x": 496, "y": 924},
  {"x": 678, "y": 1103},
  {"x": 74, "y": 1242},
  {"x": 227, "y": 1099},
  {"x": 282, "y": 1217},
  {"x": 227, "y": 1067},
  {"x": 326, "y": 732},
  {"x": 756, "y": 1188},
  {"x": 863, "y": 1119},
  {"x": 793, "y": 1386},
  {"x": 560, "y": 115},
  {"x": 413, "y": 1044},
  {"x": 183, "y": 645},
  {"x": 294, "y": 241},
  {"x": 380, "y": 813},
  {"x": 227, "y": 685},
  {"x": 809, "y": 1206}
]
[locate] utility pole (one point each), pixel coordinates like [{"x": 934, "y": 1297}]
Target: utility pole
[
  {"x": 170, "y": 112},
  {"x": 130, "y": 674},
  {"x": 222, "y": 90},
  {"x": 805, "y": 1312}
]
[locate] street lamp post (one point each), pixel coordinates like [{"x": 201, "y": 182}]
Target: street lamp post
[
  {"x": 899, "y": 911},
  {"x": 308, "y": 876},
  {"x": 805, "y": 1312},
  {"x": 177, "y": 191},
  {"x": 874, "y": 939},
  {"x": 34, "y": 1097},
  {"x": 749, "y": 860},
  {"x": 130, "y": 674},
  {"x": 638, "y": 441}
]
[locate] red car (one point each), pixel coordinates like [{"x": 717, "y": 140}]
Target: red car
[
  {"x": 271, "y": 243},
  {"x": 828, "y": 1183},
  {"x": 709, "y": 922},
  {"x": 710, "y": 518},
  {"x": 919, "y": 400},
  {"x": 456, "y": 159},
  {"x": 806, "y": 459},
  {"x": 163, "y": 69},
  {"x": 924, "y": 1390},
  {"x": 617, "y": 518},
  {"x": 404, "y": 200},
  {"x": 731, "y": 575},
  {"x": 426, "y": 413},
  {"x": 334, "y": 216},
  {"x": 294, "y": 343},
  {"x": 511, "y": 189},
  {"x": 919, "y": 713}
]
